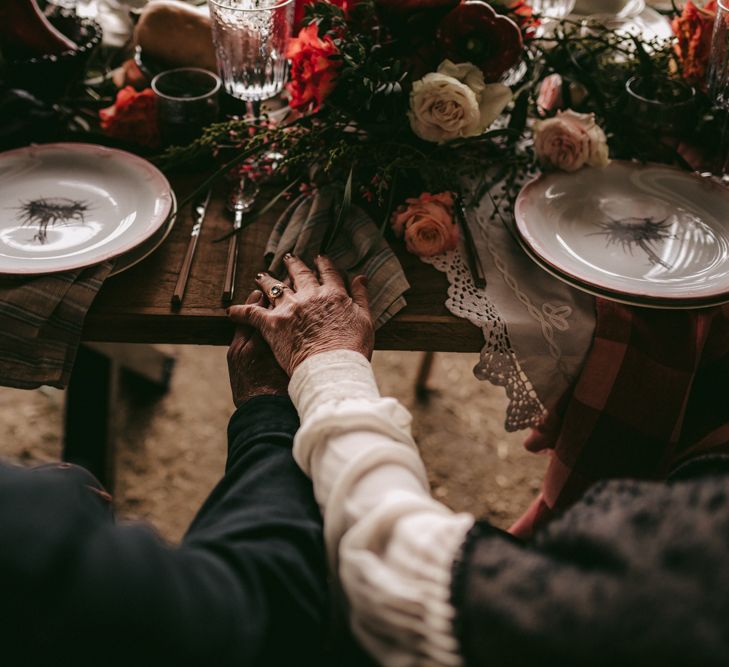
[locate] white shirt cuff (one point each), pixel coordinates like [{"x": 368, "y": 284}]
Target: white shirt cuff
[{"x": 331, "y": 376}]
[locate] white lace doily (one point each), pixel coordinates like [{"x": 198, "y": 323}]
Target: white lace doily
[
  {"x": 498, "y": 363},
  {"x": 537, "y": 330}
]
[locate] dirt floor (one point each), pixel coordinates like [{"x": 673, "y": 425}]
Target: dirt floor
[{"x": 171, "y": 452}]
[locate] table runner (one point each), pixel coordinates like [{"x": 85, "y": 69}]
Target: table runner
[
  {"x": 41, "y": 318},
  {"x": 537, "y": 329}
]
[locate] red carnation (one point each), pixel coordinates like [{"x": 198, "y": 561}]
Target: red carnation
[
  {"x": 313, "y": 68},
  {"x": 132, "y": 117},
  {"x": 693, "y": 30}
]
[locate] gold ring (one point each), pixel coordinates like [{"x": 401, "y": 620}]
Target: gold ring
[{"x": 276, "y": 291}]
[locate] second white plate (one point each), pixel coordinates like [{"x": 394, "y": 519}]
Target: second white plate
[{"x": 648, "y": 231}]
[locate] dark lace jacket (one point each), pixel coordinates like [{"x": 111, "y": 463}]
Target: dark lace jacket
[{"x": 636, "y": 573}]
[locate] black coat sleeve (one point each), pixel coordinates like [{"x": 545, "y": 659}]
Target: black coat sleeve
[{"x": 245, "y": 587}]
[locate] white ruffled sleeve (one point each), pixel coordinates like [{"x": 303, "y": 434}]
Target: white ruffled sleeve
[{"x": 392, "y": 545}]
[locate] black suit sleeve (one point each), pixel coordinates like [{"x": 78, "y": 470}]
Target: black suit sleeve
[{"x": 245, "y": 587}]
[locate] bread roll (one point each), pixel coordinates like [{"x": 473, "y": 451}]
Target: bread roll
[{"x": 176, "y": 34}]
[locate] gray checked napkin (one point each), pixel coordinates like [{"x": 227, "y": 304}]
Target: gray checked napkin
[
  {"x": 41, "y": 318},
  {"x": 357, "y": 249}
]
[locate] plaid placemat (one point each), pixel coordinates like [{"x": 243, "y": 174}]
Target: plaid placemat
[
  {"x": 41, "y": 318},
  {"x": 358, "y": 248},
  {"x": 653, "y": 393}
]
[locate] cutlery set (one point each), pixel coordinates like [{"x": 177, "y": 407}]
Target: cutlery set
[{"x": 241, "y": 200}]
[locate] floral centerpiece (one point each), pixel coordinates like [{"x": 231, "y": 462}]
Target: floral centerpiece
[{"x": 402, "y": 101}]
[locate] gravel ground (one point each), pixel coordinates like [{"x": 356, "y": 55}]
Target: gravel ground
[{"x": 171, "y": 452}]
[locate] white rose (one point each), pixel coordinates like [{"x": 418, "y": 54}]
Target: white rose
[
  {"x": 455, "y": 102},
  {"x": 571, "y": 140}
]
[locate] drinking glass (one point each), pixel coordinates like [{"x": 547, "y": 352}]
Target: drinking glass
[
  {"x": 719, "y": 57},
  {"x": 250, "y": 38},
  {"x": 718, "y": 80}
]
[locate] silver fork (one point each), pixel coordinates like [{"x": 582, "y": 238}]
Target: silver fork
[{"x": 241, "y": 200}]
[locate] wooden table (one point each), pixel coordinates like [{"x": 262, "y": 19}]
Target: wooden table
[{"x": 134, "y": 307}]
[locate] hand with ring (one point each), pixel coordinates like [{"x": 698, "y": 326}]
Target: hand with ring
[
  {"x": 316, "y": 314},
  {"x": 252, "y": 367}
]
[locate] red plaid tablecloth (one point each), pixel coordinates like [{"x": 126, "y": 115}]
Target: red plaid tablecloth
[{"x": 654, "y": 392}]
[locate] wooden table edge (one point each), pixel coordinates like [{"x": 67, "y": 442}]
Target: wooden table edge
[{"x": 438, "y": 333}]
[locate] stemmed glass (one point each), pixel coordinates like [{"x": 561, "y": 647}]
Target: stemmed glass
[
  {"x": 250, "y": 38},
  {"x": 719, "y": 76}
]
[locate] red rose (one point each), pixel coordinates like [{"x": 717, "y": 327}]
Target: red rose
[
  {"x": 133, "y": 117},
  {"x": 473, "y": 32},
  {"x": 313, "y": 69},
  {"x": 693, "y": 30}
]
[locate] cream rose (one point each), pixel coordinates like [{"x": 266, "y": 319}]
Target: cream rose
[
  {"x": 455, "y": 102},
  {"x": 426, "y": 223},
  {"x": 570, "y": 141}
]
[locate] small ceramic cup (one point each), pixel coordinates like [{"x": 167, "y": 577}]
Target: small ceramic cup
[
  {"x": 668, "y": 106},
  {"x": 187, "y": 101}
]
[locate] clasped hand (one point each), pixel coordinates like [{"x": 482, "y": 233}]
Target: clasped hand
[{"x": 314, "y": 314}]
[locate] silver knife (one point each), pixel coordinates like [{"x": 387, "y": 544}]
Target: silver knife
[{"x": 199, "y": 209}]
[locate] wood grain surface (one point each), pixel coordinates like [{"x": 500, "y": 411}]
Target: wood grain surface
[{"x": 135, "y": 306}]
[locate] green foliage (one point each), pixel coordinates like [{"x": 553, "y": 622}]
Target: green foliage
[{"x": 595, "y": 62}]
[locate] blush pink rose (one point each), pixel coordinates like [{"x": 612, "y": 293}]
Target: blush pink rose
[
  {"x": 550, "y": 94},
  {"x": 570, "y": 140},
  {"x": 551, "y": 97},
  {"x": 427, "y": 225}
]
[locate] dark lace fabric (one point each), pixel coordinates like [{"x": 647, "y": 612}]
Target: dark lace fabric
[{"x": 636, "y": 573}]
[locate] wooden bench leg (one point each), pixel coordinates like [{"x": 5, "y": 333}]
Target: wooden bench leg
[
  {"x": 147, "y": 369},
  {"x": 88, "y": 438},
  {"x": 422, "y": 391},
  {"x": 91, "y": 399}
]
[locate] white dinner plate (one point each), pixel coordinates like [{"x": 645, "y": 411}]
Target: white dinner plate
[
  {"x": 144, "y": 250},
  {"x": 651, "y": 234},
  {"x": 67, "y": 206}
]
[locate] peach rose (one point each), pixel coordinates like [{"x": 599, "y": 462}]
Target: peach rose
[
  {"x": 570, "y": 141},
  {"x": 427, "y": 224}
]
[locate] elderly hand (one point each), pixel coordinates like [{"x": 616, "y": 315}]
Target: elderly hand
[
  {"x": 316, "y": 315},
  {"x": 252, "y": 367}
]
